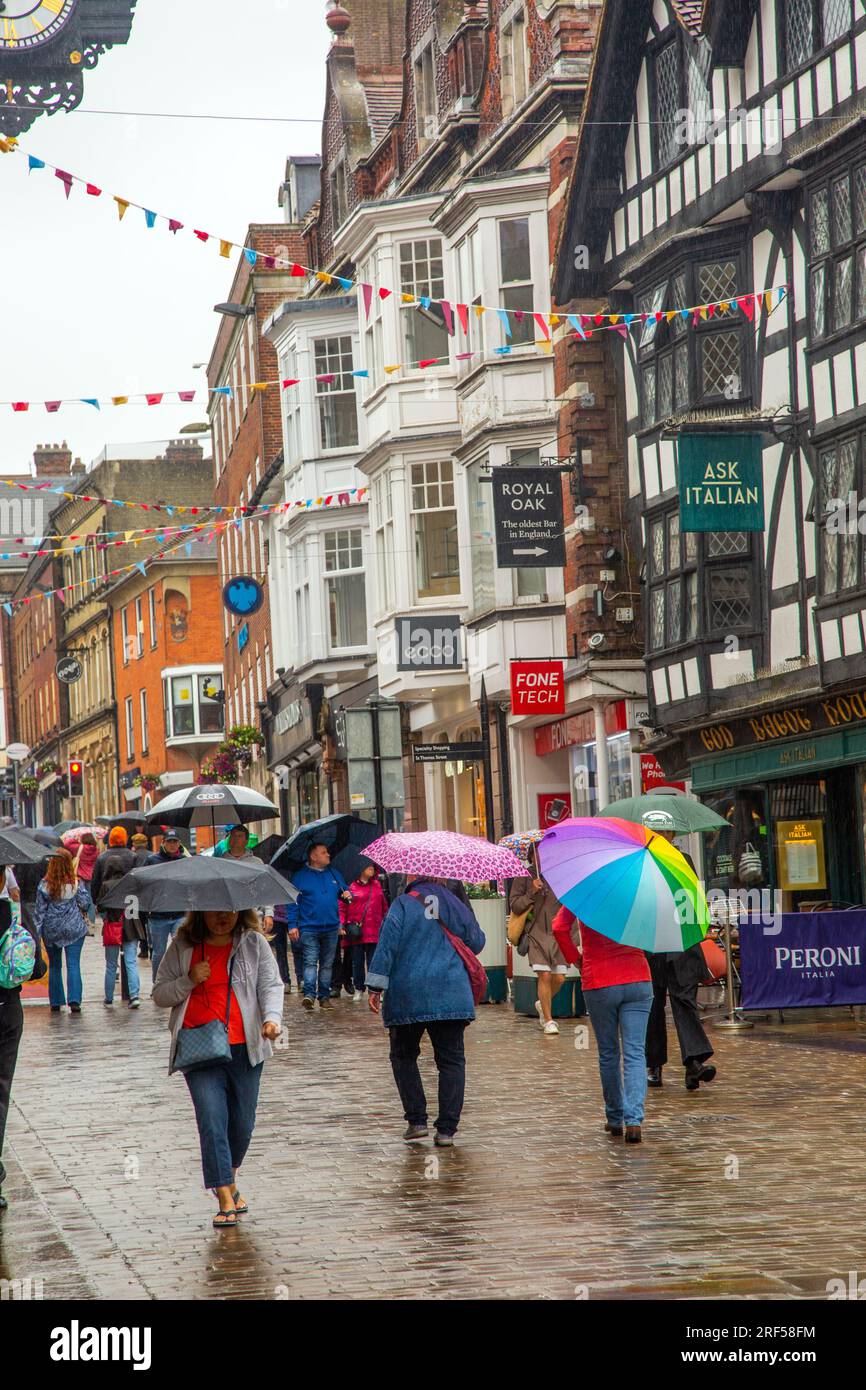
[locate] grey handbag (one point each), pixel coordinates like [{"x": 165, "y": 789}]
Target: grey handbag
[{"x": 208, "y": 1044}]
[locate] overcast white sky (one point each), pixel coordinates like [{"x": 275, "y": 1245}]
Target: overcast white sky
[{"x": 90, "y": 306}]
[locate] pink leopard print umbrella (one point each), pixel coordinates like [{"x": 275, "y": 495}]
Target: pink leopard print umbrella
[{"x": 444, "y": 854}]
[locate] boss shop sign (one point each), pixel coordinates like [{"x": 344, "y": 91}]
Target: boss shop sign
[{"x": 528, "y": 517}]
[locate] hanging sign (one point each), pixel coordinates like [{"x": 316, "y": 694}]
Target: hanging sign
[
  {"x": 448, "y": 752},
  {"x": 721, "y": 482},
  {"x": 69, "y": 670},
  {"x": 528, "y": 515},
  {"x": 243, "y": 596},
  {"x": 653, "y": 775},
  {"x": 537, "y": 687}
]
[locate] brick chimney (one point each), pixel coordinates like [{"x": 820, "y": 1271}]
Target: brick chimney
[
  {"x": 52, "y": 460},
  {"x": 184, "y": 451}
]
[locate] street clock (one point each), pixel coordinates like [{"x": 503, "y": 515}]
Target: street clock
[{"x": 45, "y": 48}]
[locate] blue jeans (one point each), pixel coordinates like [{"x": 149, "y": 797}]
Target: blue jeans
[
  {"x": 319, "y": 949},
  {"x": 130, "y": 958},
  {"x": 620, "y": 1014},
  {"x": 160, "y": 935},
  {"x": 56, "y": 995},
  {"x": 225, "y": 1099}
]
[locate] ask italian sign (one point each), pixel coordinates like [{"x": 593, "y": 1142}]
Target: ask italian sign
[{"x": 721, "y": 483}]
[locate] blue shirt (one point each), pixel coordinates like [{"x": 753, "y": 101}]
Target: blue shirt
[{"x": 318, "y": 904}]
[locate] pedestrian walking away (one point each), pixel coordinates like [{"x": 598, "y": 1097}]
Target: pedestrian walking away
[
  {"x": 616, "y": 985},
  {"x": 677, "y": 975},
  {"x": 140, "y": 847},
  {"x": 220, "y": 969},
  {"x": 121, "y": 934},
  {"x": 60, "y": 917},
  {"x": 426, "y": 989},
  {"x": 314, "y": 921},
  {"x": 534, "y": 897},
  {"x": 163, "y": 925},
  {"x": 362, "y": 919},
  {"x": 85, "y": 862},
  {"x": 11, "y": 1029}
]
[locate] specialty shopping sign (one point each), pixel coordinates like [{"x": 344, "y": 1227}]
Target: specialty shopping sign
[{"x": 803, "y": 960}]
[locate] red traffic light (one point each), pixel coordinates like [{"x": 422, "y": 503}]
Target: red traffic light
[{"x": 76, "y": 777}]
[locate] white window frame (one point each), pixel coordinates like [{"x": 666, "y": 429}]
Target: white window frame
[
  {"x": 343, "y": 543},
  {"x": 130, "y": 728},
  {"x": 334, "y": 355},
  {"x": 382, "y": 519},
  {"x": 514, "y": 51},
  {"x": 434, "y": 487},
  {"x": 523, "y": 333},
  {"x": 151, "y": 613},
  {"x": 417, "y": 278},
  {"x": 145, "y": 722}
]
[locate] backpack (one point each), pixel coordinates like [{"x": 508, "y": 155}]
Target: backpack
[
  {"x": 474, "y": 969},
  {"x": 17, "y": 957}
]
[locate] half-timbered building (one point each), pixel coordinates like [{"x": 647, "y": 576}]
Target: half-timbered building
[{"x": 721, "y": 169}]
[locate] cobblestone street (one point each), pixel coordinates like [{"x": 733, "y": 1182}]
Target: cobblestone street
[{"x": 106, "y": 1198}]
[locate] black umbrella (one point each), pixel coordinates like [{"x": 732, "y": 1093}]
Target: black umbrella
[
  {"x": 200, "y": 884},
  {"x": 267, "y": 848},
  {"x": 337, "y": 832},
  {"x": 43, "y": 836},
  {"x": 63, "y": 825},
  {"x": 212, "y": 804},
  {"x": 17, "y": 848},
  {"x": 123, "y": 818}
]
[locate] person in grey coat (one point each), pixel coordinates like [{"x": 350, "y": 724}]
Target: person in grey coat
[{"x": 220, "y": 966}]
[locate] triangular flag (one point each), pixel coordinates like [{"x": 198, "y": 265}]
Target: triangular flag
[
  {"x": 65, "y": 179},
  {"x": 542, "y": 323},
  {"x": 222, "y": 391},
  {"x": 747, "y": 304},
  {"x": 202, "y": 236},
  {"x": 383, "y": 293},
  {"x": 122, "y": 205},
  {"x": 360, "y": 372},
  {"x": 621, "y": 330},
  {"x": 425, "y": 301},
  {"x": 428, "y": 362},
  {"x": 479, "y": 311},
  {"x": 225, "y": 249},
  {"x": 270, "y": 262},
  {"x": 506, "y": 321},
  {"x": 90, "y": 401},
  {"x": 327, "y": 378},
  {"x": 501, "y": 351},
  {"x": 291, "y": 381},
  {"x": 93, "y": 190},
  {"x": 347, "y": 284},
  {"x": 186, "y": 396},
  {"x": 250, "y": 255},
  {"x": 394, "y": 368},
  {"x": 298, "y": 270},
  {"x": 463, "y": 316},
  {"x": 544, "y": 345},
  {"x": 258, "y": 386},
  {"x": 20, "y": 405},
  {"x": 7, "y": 608},
  {"x": 119, "y": 400},
  {"x": 34, "y": 163},
  {"x": 324, "y": 278},
  {"x": 448, "y": 316},
  {"x": 367, "y": 293},
  {"x": 768, "y": 299},
  {"x": 52, "y": 407},
  {"x": 140, "y": 566},
  {"x": 149, "y": 217},
  {"x": 154, "y": 397},
  {"x": 464, "y": 356},
  {"x": 577, "y": 325},
  {"x": 174, "y": 225},
  {"x": 407, "y": 298}
]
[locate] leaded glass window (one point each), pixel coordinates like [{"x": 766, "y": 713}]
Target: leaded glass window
[
  {"x": 838, "y": 240},
  {"x": 668, "y": 91},
  {"x": 841, "y": 547},
  {"x": 730, "y": 598},
  {"x": 683, "y": 566}
]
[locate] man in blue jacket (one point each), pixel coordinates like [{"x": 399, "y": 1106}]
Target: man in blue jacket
[{"x": 314, "y": 920}]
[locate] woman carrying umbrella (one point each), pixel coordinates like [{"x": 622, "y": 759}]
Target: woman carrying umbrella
[
  {"x": 220, "y": 969},
  {"x": 535, "y": 897}
]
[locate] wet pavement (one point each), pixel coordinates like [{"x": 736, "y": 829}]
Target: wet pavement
[{"x": 750, "y": 1188}]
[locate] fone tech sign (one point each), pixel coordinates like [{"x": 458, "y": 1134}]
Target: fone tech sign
[{"x": 528, "y": 517}]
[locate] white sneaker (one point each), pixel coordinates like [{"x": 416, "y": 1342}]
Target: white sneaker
[
  {"x": 538, "y": 1009},
  {"x": 550, "y": 1027},
  {"x": 358, "y": 995}
]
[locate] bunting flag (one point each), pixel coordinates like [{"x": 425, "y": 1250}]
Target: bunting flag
[{"x": 367, "y": 292}]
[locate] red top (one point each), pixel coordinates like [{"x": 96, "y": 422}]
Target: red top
[
  {"x": 208, "y": 1000},
  {"x": 604, "y": 962},
  {"x": 87, "y": 861}
]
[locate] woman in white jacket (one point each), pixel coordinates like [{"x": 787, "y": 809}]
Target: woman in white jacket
[{"x": 220, "y": 967}]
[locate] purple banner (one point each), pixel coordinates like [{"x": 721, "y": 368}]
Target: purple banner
[{"x": 804, "y": 960}]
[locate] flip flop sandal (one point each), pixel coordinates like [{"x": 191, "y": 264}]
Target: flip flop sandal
[
  {"x": 240, "y": 1207},
  {"x": 225, "y": 1220}
]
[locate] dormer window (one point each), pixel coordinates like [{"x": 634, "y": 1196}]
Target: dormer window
[
  {"x": 515, "y": 61},
  {"x": 426, "y": 109},
  {"x": 810, "y": 25}
]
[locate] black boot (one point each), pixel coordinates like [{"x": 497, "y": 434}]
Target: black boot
[{"x": 654, "y": 1076}]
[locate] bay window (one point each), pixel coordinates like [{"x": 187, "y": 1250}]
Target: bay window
[
  {"x": 434, "y": 520},
  {"x": 338, "y": 406},
  {"x": 515, "y": 271},
  {"x": 422, "y": 276},
  {"x": 345, "y": 588},
  {"x": 837, "y": 217},
  {"x": 699, "y": 584},
  {"x": 194, "y": 703}
]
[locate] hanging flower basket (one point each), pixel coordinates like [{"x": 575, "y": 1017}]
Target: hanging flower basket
[
  {"x": 28, "y": 787},
  {"x": 46, "y": 768},
  {"x": 148, "y": 783}
]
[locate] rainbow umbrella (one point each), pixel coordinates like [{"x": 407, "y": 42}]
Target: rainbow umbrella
[{"x": 626, "y": 882}]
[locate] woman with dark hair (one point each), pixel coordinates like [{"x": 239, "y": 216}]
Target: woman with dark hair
[
  {"x": 61, "y": 919},
  {"x": 220, "y": 967}
]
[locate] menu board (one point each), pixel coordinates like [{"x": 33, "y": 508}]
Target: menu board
[{"x": 800, "y": 850}]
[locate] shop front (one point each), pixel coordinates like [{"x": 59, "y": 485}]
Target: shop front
[
  {"x": 567, "y": 757},
  {"x": 295, "y": 742},
  {"x": 791, "y": 783}
]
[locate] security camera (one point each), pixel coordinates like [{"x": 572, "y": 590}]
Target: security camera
[{"x": 596, "y": 642}]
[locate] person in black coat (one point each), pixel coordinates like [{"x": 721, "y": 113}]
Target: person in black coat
[
  {"x": 11, "y": 1028},
  {"x": 677, "y": 975},
  {"x": 121, "y": 934}
]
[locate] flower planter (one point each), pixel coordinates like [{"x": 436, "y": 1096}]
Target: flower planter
[{"x": 491, "y": 916}]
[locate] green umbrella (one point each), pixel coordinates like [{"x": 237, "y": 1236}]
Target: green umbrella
[{"x": 688, "y": 815}]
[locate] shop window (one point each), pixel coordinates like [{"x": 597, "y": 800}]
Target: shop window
[
  {"x": 842, "y": 563},
  {"x": 837, "y": 238},
  {"x": 434, "y": 516},
  {"x": 345, "y": 588},
  {"x": 680, "y": 567},
  {"x": 338, "y": 406},
  {"x": 515, "y": 279},
  {"x": 422, "y": 276},
  {"x": 808, "y": 26},
  {"x": 683, "y": 365},
  {"x": 194, "y": 705}
]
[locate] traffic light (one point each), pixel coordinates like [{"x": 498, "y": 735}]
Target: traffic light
[{"x": 76, "y": 778}]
